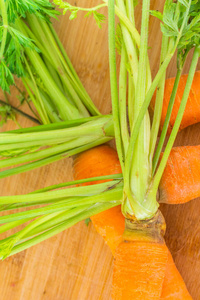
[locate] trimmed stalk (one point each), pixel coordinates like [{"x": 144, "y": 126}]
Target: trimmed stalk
[{"x": 159, "y": 101}]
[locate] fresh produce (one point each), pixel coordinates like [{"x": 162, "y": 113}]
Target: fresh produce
[
  {"x": 136, "y": 188},
  {"x": 191, "y": 114},
  {"x": 110, "y": 224}
]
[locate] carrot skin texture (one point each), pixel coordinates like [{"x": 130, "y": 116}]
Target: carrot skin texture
[
  {"x": 139, "y": 270},
  {"x": 173, "y": 285},
  {"x": 192, "y": 111},
  {"x": 180, "y": 182}
]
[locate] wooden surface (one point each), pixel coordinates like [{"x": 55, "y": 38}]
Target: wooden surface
[{"x": 76, "y": 264}]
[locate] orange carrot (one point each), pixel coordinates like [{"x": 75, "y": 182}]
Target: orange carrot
[
  {"x": 192, "y": 111},
  {"x": 173, "y": 285},
  {"x": 180, "y": 182},
  {"x": 111, "y": 223},
  {"x": 102, "y": 160},
  {"x": 139, "y": 268}
]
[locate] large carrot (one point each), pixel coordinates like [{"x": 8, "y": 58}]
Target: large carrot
[
  {"x": 192, "y": 111},
  {"x": 140, "y": 264},
  {"x": 111, "y": 223},
  {"x": 181, "y": 179}
]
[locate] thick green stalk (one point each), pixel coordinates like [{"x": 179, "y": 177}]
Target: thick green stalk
[
  {"x": 34, "y": 100},
  {"x": 100, "y": 127},
  {"x": 122, "y": 99},
  {"x": 139, "y": 168},
  {"x": 177, "y": 123},
  {"x": 130, "y": 47},
  {"x": 45, "y": 153},
  {"x": 127, "y": 23},
  {"x": 143, "y": 110},
  {"x": 54, "y": 158},
  {"x": 167, "y": 119},
  {"x": 11, "y": 225},
  {"x": 63, "y": 194},
  {"x": 113, "y": 80},
  {"x": 40, "y": 105},
  {"x": 78, "y": 182},
  {"x": 130, "y": 11},
  {"x": 158, "y": 102}
]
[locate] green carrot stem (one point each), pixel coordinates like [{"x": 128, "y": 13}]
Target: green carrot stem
[
  {"x": 55, "y": 220},
  {"x": 34, "y": 100},
  {"x": 49, "y": 43},
  {"x": 50, "y": 108},
  {"x": 41, "y": 109},
  {"x": 75, "y": 81},
  {"x": 130, "y": 11},
  {"x": 54, "y": 158},
  {"x": 139, "y": 168},
  {"x": 130, "y": 47},
  {"x": 177, "y": 123},
  {"x": 62, "y": 205},
  {"x": 60, "y": 125},
  {"x": 143, "y": 110},
  {"x": 77, "y": 182},
  {"x": 3, "y": 7},
  {"x": 127, "y": 23},
  {"x": 100, "y": 127},
  {"x": 122, "y": 99},
  {"x": 79, "y": 192},
  {"x": 167, "y": 119},
  {"x": 57, "y": 149},
  {"x": 131, "y": 100},
  {"x": 113, "y": 80},
  {"x": 63, "y": 226},
  {"x": 159, "y": 101},
  {"x": 13, "y": 224}
]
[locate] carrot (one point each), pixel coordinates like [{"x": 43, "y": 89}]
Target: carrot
[
  {"x": 102, "y": 160},
  {"x": 180, "y": 182},
  {"x": 140, "y": 264},
  {"x": 173, "y": 285},
  {"x": 110, "y": 224},
  {"x": 192, "y": 111}
]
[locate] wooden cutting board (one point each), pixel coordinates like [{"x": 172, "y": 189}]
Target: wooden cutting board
[{"x": 76, "y": 264}]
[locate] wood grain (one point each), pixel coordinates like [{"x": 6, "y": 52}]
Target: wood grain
[{"x": 76, "y": 264}]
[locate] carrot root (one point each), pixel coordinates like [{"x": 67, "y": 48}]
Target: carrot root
[
  {"x": 139, "y": 270},
  {"x": 180, "y": 182},
  {"x": 192, "y": 111}
]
